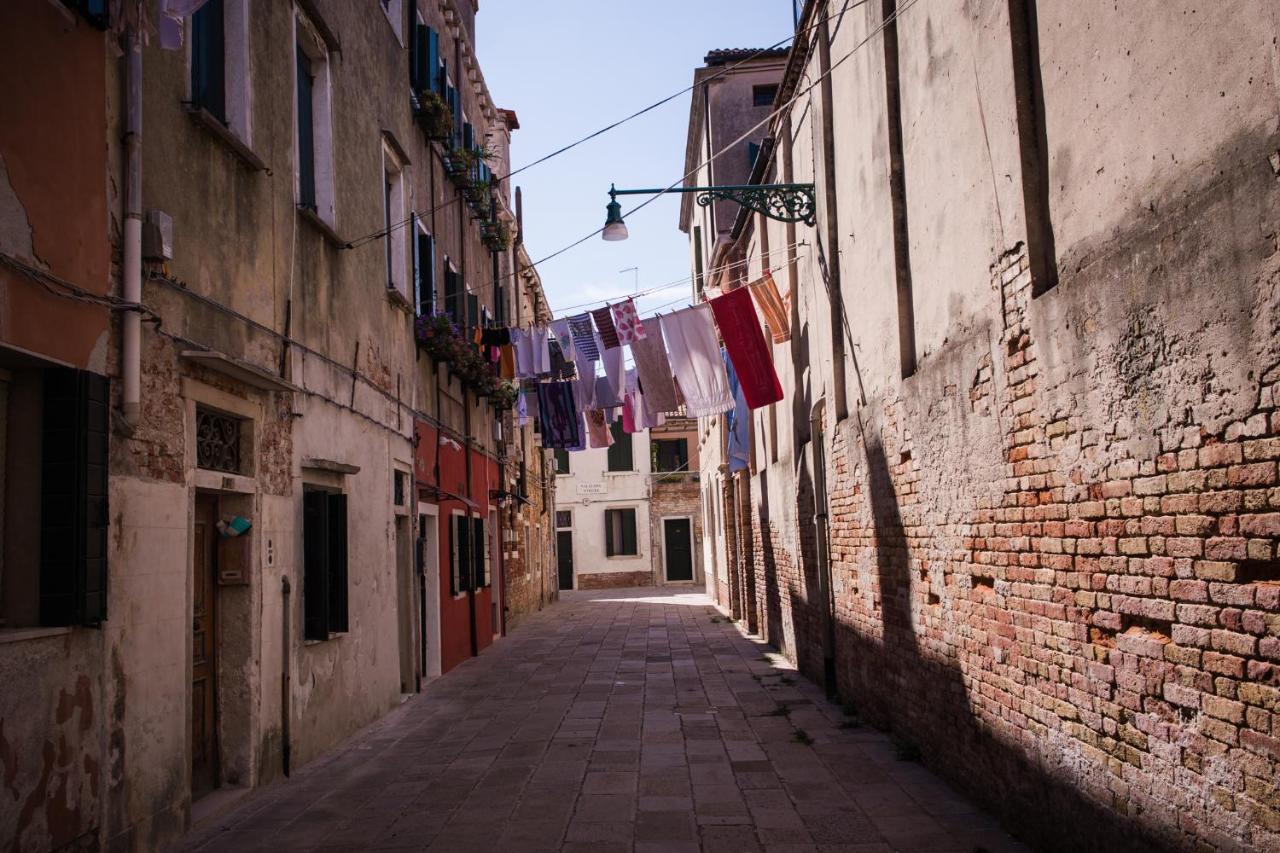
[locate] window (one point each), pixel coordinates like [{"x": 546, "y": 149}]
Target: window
[
  {"x": 697, "y": 259},
  {"x": 562, "y": 461},
  {"x": 424, "y": 58},
  {"x": 564, "y": 518},
  {"x": 763, "y": 96},
  {"x": 220, "y": 63},
  {"x": 671, "y": 454},
  {"x": 400, "y": 489},
  {"x": 470, "y": 554},
  {"x": 94, "y": 11},
  {"x": 315, "y": 188},
  {"x": 620, "y": 452},
  {"x": 324, "y": 563},
  {"x": 424, "y": 269},
  {"x": 620, "y": 533},
  {"x": 473, "y": 310},
  {"x": 453, "y": 305},
  {"x": 218, "y": 441},
  {"x": 53, "y": 497},
  {"x": 393, "y": 203}
]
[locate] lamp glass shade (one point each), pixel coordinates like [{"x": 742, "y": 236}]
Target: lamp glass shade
[{"x": 614, "y": 227}]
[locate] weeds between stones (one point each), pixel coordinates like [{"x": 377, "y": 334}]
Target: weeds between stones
[{"x": 802, "y": 737}]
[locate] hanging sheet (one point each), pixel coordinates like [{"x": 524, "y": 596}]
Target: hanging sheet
[
  {"x": 557, "y": 415},
  {"x": 765, "y": 290},
  {"x": 744, "y": 342},
  {"x": 584, "y": 338},
  {"x": 604, "y": 325},
  {"x": 627, "y": 322},
  {"x": 654, "y": 370},
  {"x": 695, "y": 361},
  {"x": 737, "y": 420}
]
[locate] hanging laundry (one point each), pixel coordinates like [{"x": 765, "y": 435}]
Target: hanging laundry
[
  {"x": 560, "y": 328},
  {"x": 584, "y": 389},
  {"x": 629, "y": 327},
  {"x": 654, "y": 371},
  {"x": 524, "y": 353},
  {"x": 695, "y": 361},
  {"x": 582, "y": 433},
  {"x": 765, "y": 290},
  {"x": 628, "y": 414},
  {"x": 495, "y": 337},
  {"x": 613, "y": 370},
  {"x": 522, "y": 408},
  {"x": 539, "y": 344},
  {"x": 557, "y": 415},
  {"x": 606, "y": 397},
  {"x": 744, "y": 341},
  {"x": 598, "y": 433},
  {"x": 507, "y": 361},
  {"x": 561, "y": 368},
  {"x": 737, "y": 420},
  {"x": 584, "y": 338},
  {"x": 604, "y": 325}
]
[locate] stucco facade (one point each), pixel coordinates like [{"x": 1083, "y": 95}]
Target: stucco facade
[{"x": 1016, "y": 504}]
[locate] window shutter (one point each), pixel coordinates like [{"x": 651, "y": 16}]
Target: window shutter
[
  {"x": 620, "y": 452},
  {"x": 73, "y": 499},
  {"x": 337, "y": 544},
  {"x": 417, "y": 262},
  {"x": 629, "y": 532},
  {"x": 478, "y": 554},
  {"x": 462, "y": 556},
  {"x": 753, "y": 151},
  {"x": 306, "y": 135},
  {"x": 429, "y": 277},
  {"x": 609, "y": 548},
  {"x": 434, "y": 78},
  {"x": 473, "y": 311},
  {"x": 452, "y": 298},
  {"x": 315, "y": 572},
  {"x": 208, "y": 60}
]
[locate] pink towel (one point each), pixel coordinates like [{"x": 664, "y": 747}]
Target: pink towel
[
  {"x": 696, "y": 361},
  {"x": 627, "y": 322}
]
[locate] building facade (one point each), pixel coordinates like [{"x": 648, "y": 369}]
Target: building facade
[
  {"x": 276, "y": 505},
  {"x": 1018, "y": 503},
  {"x": 627, "y": 515}
]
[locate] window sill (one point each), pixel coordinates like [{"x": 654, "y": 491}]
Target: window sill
[
  {"x": 325, "y": 229},
  {"x": 619, "y": 473},
  {"x": 227, "y": 137},
  {"x": 18, "y": 635},
  {"x": 399, "y": 300},
  {"x": 333, "y": 636}
]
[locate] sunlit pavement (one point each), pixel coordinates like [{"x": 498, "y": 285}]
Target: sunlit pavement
[{"x": 616, "y": 720}]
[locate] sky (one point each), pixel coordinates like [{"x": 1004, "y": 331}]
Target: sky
[{"x": 570, "y": 67}]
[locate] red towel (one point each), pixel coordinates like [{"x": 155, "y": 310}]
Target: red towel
[
  {"x": 604, "y": 325},
  {"x": 744, "y": 341}
]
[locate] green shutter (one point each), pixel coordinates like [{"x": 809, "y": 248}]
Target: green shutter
[
  {"x": 315, "y": 562},
  {"x": 478, "y": 573},
  {"x": 336, "y": 528},
  {"x": 620, "y": 453},
  {"x": 609, "y": 549},
  {"x": 629, "y": 531}
]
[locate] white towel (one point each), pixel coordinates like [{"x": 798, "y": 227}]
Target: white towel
[
  {"x": 613, "y": 369},
  {"x": 523, "y": 346},
  {"x": 560, "y": 328},
  {"x": 540, "y": 343},
  {"x": 696, "y": 361}
]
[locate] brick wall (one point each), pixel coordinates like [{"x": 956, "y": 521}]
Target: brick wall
[
  {"x": 1054, "y": 547},
  {"x": 614, "y": 580}
]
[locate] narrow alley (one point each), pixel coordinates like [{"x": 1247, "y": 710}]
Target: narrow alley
[{"x": 616, "y": 720}]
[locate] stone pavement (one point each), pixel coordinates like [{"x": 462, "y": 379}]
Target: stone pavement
[{"x": 617, "y": 720}]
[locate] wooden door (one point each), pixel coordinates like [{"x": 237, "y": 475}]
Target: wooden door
[
  {"x": 204, "y": 649},
  {"x": 564, "y": 557},
  {"x": 679, "y": 549}
]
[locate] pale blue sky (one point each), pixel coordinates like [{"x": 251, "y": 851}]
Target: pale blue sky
[{"x": 569, "y": 67}]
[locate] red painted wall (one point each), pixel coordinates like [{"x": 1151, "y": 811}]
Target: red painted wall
[{"x": 456, "y": 611}]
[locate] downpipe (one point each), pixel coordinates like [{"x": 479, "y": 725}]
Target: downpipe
[
  {"x": 820, "y": 519},
  {"x": 131, "y": 321},
  {"x": 285, "y": 678}
]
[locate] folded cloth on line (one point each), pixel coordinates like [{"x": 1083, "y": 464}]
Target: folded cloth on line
[
  {"x": 695, "y": 361},
  {"x": 765, "y": 290},
  {"x": 627, "y": 322},
  {"x": 557, "y": 415},
  {"x": 584, "y": 338},
  {"x": 604, "y": 325},
  {"x": 650, "y": 355},
  {"x": 598, "y": 432},
  {"x": 752, "y": 357}
]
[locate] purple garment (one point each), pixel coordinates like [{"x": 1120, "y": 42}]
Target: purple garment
[
  {"x": 557, "y": 415},
  {"x": 584, "y": 336}
]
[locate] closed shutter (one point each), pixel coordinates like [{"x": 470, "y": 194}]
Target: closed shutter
[
  {"x": 434, "y": 79},
  {"x": 315, "y": 565},
  {"x": 306, "y": 134},
  {"x": 610, "y": 521},
  {"x": 629, "y": 531},
  {"x": 73, "y": 499},
  {"x": 208, "y": 60},
  {"x": 424, "y": 270},
  {"x": 461, "y": 554},
  {"x": 620, "y": 452},
  {"x": 336, "y": 528},
  {"x": 452, "y": 297},
  {"x": 473, "y": 311}
]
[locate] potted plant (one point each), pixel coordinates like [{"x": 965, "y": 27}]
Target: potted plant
[
  {"x": 504, "y": 395},
  {"x": 460, "y": 164},
  {"x": 439, "y": 337},
  {"x": 496, "y": 235},
  {"x": 433, "y": 115}
]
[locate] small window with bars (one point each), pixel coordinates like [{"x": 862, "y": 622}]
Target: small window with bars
[
  {"x": 218, "y": 441},
  {"x": 564, "y": 518}
]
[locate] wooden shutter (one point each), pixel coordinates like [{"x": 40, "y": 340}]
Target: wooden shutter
[
  {"x": 306, "y": 134},
  {"x": 424, "y": 270},
  {"x": 434, "y": 79},
  {"x": 336, "y": 528},
  {"x": 473, "y": 311},
  {"x": 478, "y": 554},
  {"x": 620, "y": 452},
  {"x": 417, "y": 262},
  {"x": 629, "y": 532},
  {"x": 315, "y": 565},
  {"x": 73, "y": 499},
  {"x": 452, "y": 298},
  {"x": 208, "y": 60},
  {"x": 610, "y": 547}
]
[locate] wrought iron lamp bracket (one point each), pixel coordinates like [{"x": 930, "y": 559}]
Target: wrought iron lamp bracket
[{"x": 783, "y": 202}]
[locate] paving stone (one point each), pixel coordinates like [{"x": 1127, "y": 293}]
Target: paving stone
[{"x": 631, "y": 725}]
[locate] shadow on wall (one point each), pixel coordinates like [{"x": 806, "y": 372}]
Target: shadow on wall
[{"x": 923, "y": 701}]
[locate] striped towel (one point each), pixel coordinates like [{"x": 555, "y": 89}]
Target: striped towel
[
  {"x": 765, "y": 290},
  {"x": 584, "y": 338},
  {"x": 604, "y": 325}
]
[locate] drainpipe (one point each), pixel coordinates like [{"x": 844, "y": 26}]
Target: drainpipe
[
  {"x": 824, "y": 548},
  {"x": 285, "y": 590},
  {"x": 131, "y": 321}
]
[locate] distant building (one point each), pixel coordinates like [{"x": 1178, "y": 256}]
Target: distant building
[{"x": 628, "y": 515}]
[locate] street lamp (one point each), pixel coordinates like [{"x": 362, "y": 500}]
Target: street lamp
[{"x": 783, "y": 202}]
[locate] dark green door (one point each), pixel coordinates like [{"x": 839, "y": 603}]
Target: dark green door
[
  {"x": 564, "y": 557},
  {"x": 679, "y": 546}
]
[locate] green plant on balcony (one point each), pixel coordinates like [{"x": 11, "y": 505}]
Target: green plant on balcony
[
  {"x": 504, "y": 395},
  {"x": 439, "y": 337},
  {"x": 433, "y": 115},
  {"x": 496, "y": 235},
  {"x": 460, "y": 164}
]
